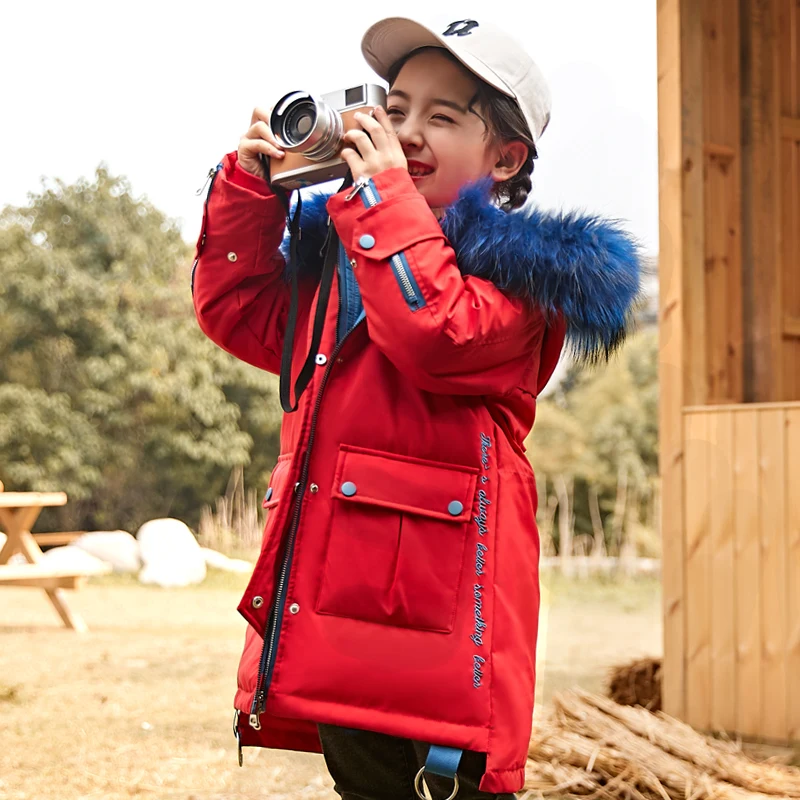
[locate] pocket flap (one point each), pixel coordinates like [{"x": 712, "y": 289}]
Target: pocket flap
[{"x": 413, "y": 485}]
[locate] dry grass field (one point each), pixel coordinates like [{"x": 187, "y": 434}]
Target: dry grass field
[{"x": 140, "y": 707}]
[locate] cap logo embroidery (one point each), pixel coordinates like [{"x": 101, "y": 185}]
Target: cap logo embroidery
[{"x": 461, "y": 27}]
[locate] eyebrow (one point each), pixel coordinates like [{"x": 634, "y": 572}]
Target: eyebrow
[{"x": 436, "y": 101}]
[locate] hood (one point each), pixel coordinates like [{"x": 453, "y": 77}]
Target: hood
[{"x": 585, "y": 267}]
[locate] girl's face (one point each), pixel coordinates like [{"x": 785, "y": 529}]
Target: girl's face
[{"x": 446, "y": 145}]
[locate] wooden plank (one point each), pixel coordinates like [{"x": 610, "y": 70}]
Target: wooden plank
[
  {"x": 734, "y": 342},
  {"x": 28, "y": 499},
  {"x": 789, "y": 103},
  {"x": 671, "y": 367},
  {"x": 53, "y": 582},
  {"x": 744, "y": 408},
  {"x": 692, "y": 110},
  {"x": 716, "y": 306},
  {"x": 791, "y": 326},
  {"x": 723, "y": 577},
  {"x": 774, "y": 591},
  {"x": 57, "y": 538},
  {"x": 698, "y": 573},
  {"x": 747, "y": 520},
  {"x": 793, "y": 565},
  {"x": 760, "y": 218},
  {"x": 790, "y": 129},
  {"x": 14, "y": 572}
]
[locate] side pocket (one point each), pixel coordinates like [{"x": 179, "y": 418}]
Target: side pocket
[{"x": 276, "y": 489}]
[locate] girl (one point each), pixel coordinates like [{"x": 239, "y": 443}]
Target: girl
[{"x": 393, "y": 610}]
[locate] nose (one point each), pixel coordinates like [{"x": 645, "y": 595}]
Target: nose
[{"x": 409, "y": 133}]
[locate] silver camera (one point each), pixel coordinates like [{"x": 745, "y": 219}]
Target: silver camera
[{"x": 310, "y": 131}]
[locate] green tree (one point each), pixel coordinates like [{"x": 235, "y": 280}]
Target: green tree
[
  {"x": 600, "y": 427},
  {"x": 108, "y": 388}
]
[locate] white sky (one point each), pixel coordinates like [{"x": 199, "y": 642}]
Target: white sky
[{"x": 160, "y": 91}]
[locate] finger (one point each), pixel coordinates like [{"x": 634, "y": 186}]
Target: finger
[
  {"x": 373, "y": 128},
  {"x": 361, "y": 141},
  {"x": 352, "y": 159},
  {"x": 253, "y": 146},
  {"x": 260, "y": 113},
  {"x": 261, "y": 130},
  {"x": 385, "y": 122}
]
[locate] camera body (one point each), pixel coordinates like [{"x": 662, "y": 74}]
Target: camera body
[{"x": 310, "y": 130}]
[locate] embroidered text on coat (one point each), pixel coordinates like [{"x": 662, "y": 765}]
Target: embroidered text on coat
[{"x": 481, "y": 557}]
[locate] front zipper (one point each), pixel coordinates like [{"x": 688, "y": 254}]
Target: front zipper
[
  {"x": 402, "y": 272},
  {"x": 267, "y": 660}
]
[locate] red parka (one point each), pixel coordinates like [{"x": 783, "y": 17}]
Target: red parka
[{"x": 397, "y": 588}]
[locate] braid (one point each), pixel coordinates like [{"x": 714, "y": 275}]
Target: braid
[{"x": 514, "y": 192}]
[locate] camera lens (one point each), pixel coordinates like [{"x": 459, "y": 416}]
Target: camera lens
[
  {"x": 303, "y": 124},
  {"x": 298, "y": 122}
]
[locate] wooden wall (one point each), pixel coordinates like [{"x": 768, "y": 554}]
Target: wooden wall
[
  {"x": 729, "y": 194},
  {"x": 740, "y": 656}
]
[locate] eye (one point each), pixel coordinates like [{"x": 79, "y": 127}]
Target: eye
[
  {"x": 394, "y": 112},
  {"x": 443, "y": 118}
]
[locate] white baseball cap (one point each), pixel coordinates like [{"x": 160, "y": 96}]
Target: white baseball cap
[{"x": 483, "y": 48}]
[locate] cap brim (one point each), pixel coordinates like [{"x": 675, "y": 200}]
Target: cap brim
[{"x": 387, "y": 41}]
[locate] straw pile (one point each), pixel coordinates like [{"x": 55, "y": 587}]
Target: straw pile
[
  {"x": 637, "y": 684},
  {"x": 589, "y": 746}
]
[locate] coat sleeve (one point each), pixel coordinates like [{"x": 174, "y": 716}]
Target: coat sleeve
[
  {"x": 240, "y": 297},
  {"x": 447, "y": 332}
]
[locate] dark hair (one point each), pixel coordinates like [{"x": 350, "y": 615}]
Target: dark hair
[{"x": 504, "y": 122}]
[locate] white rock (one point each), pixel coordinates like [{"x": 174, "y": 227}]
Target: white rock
[
  {"x": 170, "y": 554},
  {"x": 117, "y": 548},
  {"x": 221, "y": 561},
  {"x": 73, "y": 559}
]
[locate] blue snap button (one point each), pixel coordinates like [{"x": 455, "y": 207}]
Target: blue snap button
[
  {"x": 268, "y": 495},
  {"x": 348, "y": 488},
  {"x": 455, "y": 508},
  {"x": 367, "y": 241}
]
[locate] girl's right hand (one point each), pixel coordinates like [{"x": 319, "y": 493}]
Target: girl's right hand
[{"x": 258, "y": 140}]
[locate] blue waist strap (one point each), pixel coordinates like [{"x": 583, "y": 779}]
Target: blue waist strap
[{"x": 443, "y": 760}]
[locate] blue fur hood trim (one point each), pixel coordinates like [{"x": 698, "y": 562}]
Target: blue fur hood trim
[{"x": 584, "y": 266}]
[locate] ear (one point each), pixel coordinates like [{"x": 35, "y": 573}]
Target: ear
[{"x": 511, "y": 157}]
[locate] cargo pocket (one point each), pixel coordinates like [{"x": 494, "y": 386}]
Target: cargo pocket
[{"x": 396, "y": 539}]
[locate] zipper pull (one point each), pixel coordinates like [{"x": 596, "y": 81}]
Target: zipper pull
[
  {"x": 357, "y": 187},
  {"x": 255, "y": 723},
  {"x": 236, "y": 734},
  {"x": 208, "y": 178}
]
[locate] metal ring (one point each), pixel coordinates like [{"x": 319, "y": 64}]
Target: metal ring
[{"x": 421, "y": 795}]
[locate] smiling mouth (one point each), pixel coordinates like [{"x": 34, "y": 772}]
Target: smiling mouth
[{"x": 419, "y": 170}]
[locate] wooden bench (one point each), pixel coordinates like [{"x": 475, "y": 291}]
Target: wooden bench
[
  {"x": 43, "y": 576},
  {"x": 18, "y": 513}
]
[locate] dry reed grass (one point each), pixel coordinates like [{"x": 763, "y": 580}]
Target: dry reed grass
[
  {"x": 637, "y": 683},
  {"x": 589, "y": 746},
  {"x": 236, "y": 526}
]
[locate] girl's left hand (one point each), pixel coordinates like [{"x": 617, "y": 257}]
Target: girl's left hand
[{"x": 367, "y": 155}]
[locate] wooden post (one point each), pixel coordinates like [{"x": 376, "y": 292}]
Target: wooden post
[{"x": 683, "y": 360}]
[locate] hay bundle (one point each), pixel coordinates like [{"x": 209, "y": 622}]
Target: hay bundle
[
  {"x": 589, "y": 746},
  {"x": 637, "y": 684}
]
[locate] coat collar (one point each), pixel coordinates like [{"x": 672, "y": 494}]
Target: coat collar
[{"x": 583, "y": 266}]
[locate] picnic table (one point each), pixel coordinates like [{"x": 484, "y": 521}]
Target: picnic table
[{"x": 18, "y": 513}]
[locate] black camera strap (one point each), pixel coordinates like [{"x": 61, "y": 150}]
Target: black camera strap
[{"x": 331, "y": 257}]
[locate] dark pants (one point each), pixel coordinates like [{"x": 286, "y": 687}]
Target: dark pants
[{"x": 373, "y": 766}]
